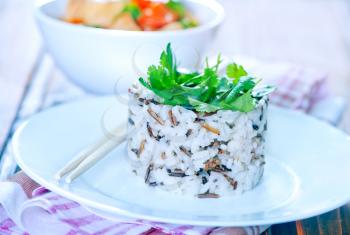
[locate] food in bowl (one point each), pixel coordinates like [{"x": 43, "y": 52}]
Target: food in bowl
[
  {"x": 109, "y": 56},
  {"x": 198, "y": 133},
  {"x": 134, "y": 15}
]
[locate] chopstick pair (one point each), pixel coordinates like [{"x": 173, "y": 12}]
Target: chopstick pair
[{"x": 89, "y": 156}]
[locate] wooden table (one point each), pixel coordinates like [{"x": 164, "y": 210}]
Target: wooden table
[{"x": 314, "y": 33}]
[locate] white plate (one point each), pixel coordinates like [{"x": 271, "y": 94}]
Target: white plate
[{"x": 307, "y": 169}]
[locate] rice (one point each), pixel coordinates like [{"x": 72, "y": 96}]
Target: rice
[{"x": 182, "y": 151}]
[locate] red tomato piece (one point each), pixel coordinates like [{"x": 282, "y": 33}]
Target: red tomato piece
[
  {"x": 156, "y": 16},
  {"x": 142, "y": 3}
]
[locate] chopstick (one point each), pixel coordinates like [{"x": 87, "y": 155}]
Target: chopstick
[
  {"x": 79, "y": 158},
  {"x": 88, "y": 157},
  {"x": 97, "y": 155}
]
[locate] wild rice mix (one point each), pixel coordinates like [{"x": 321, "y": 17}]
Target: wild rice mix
[{"x": 182, "y": 151}]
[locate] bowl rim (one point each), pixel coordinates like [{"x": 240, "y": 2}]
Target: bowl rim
[{"x": 212, "y": 5}]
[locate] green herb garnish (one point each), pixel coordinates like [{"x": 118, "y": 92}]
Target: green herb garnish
[
  {"x": 203, "y": 92},
  {"x": 188, "y": 23},
  {"x": 177, "y": 7},
  {"x": 133, "y": 10}
]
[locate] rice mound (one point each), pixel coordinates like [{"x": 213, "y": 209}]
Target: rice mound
[{"x": 182, "y": 151}]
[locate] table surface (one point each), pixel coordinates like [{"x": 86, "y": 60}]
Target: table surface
[{"x": 312, "y": 33}]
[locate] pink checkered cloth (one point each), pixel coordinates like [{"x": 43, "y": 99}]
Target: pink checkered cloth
[
  {"x": 297, "y": 93},
  {"x": 58, "y": 215},
  {"x": 28, "y": 208}
]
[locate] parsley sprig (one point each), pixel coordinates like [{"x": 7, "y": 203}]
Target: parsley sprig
[{"x": 204, "y": 92}]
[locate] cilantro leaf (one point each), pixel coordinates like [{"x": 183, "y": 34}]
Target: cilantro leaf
[
  {"x": 242, "y": 86},
  {"x": 187, "y": 78},
  {"x": 145, "y": 84},
  {"x": 235, "y": 71},
  {"x": 202, "y": 107},
  {"x": 157, "y": 77},
  {"x": 167, "y": 61},
  {"x": 205, "y": 91},
  {"x": 243, "y": 103}
]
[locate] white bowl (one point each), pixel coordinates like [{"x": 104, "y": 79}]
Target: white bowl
[{"x": 104, "y": 60}]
